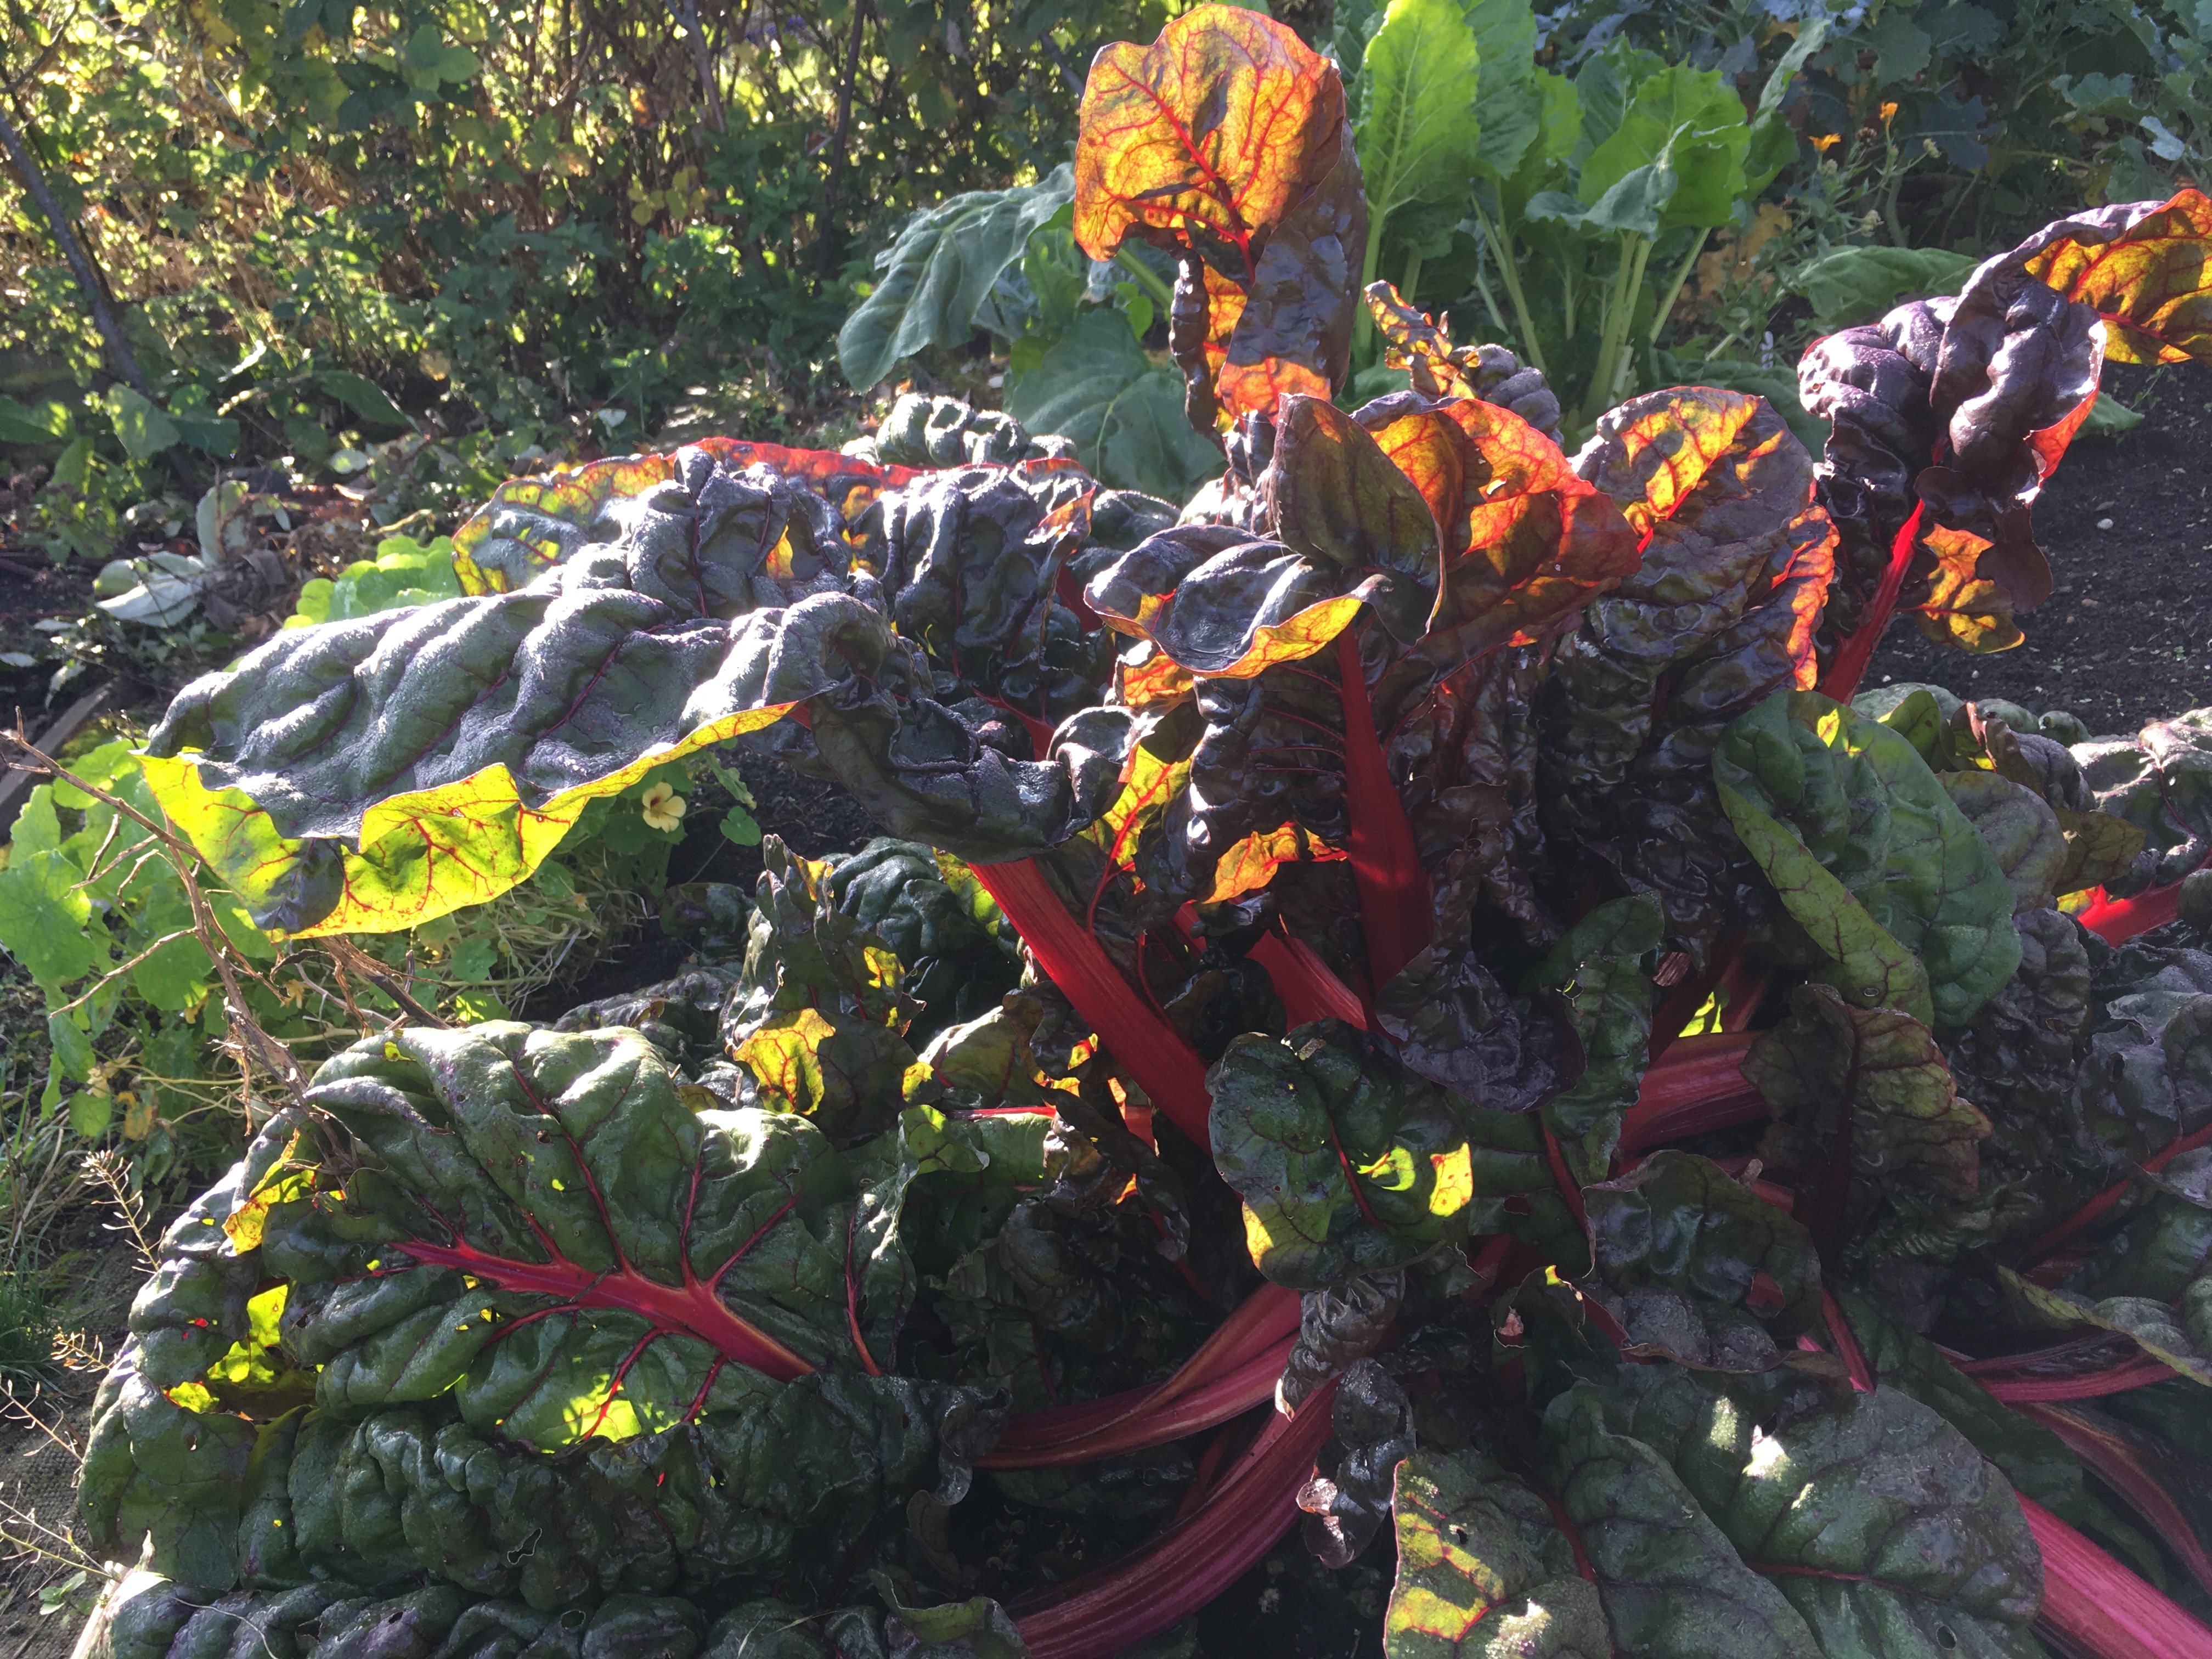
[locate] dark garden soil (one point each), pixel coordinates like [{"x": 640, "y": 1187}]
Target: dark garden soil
[{"x": 2126, "y": 637}]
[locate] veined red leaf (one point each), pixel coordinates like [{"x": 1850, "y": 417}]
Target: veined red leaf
[
  {"x": 2145, "y": 268},
  {"x": 1226, "y": 138}
]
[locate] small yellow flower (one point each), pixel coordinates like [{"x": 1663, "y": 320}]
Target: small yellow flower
[
  {"x": 663, "y": 808},
  {"x": 1888, "y": 114},
  {"x": 1825, "y": 141}
]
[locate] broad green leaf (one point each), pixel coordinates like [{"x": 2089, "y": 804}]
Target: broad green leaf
[
  {"x": 1343, "y": 1167},
  {"x": 933, "y": 281},
  {"x": 153, "y": 1465},
  {"x": 1885, "y": 1531},
  {"x": 2165, "y": 1245},
  {"x": 1871, "y": 856},
  {"x": 362, "y": 395},
  {"x": 1418, "y": 128},
  {"x": 46, "y": 918},
  {"x": 1508, "y": 102},
  {"x": 2099, "y": 847},
  {"x": 140, "y": 425},
  {"x": 1676, "y": 159},
  {"x": 20, "y": 424},
  {"x": 1096, "y": 387},
  {"x": 1857, "y": 284},
  {"x": 1483, "y": 1570}
]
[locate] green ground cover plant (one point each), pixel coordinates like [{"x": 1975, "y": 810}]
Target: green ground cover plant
[{"x": 1452, "y": 1020}]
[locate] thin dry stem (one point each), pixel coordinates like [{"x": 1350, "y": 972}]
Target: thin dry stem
[{"x": 105, "y": 1168}]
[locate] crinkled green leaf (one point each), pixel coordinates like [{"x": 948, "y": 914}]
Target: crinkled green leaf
[
  {"x": 154, "y": 1618},
  {"x": 2020, "y": 829},
  {"x": 2159, "y": 781},
  {"x": 2033, "y": 1458},
  {"x": 972, "y": 558},
  {"x": 2146, "y": 1079},
  {"x": 153, "y": 1466},
  {"x": 532, "y": 524},
  {"x": 1706, "y": 1270},
  {"x": 1343, "y": 1167},
  {"x": 1871, "y": 856},
  {"x": 933, "y": 279},
  {"x": 556, "y": 1312},
  {"x": 1884, "y": 1530},
  {"x": 1484, "y": 1570},
  {"x": 819, "y": 1015},
  {"x": 2016, "y": 1060},
  {"x": 2163, "y": 1247},
  {"x": 1609, "y": 998},
  {"x": 379, "y": 773},
  {"x": 1671, "y": 1580},
  {"x": 1863, "y": 1104}
]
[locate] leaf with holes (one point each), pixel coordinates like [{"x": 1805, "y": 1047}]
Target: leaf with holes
[{"x": 1482, "y": 1567}]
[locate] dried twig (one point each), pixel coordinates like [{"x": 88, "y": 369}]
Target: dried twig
[
  {"x": 347, "y": 956},
  {"x": 105, "y": 1168}
]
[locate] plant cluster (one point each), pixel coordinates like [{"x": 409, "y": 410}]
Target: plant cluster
[
  {"x": 457, "y": 239},
  {"x": 1508, "y": 1045}
]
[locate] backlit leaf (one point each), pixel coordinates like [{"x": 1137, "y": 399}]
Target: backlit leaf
[{"x": 2145, "y": 268}]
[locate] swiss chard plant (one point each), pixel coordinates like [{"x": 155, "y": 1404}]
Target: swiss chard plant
[{"x": 1418, "y": 966}]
